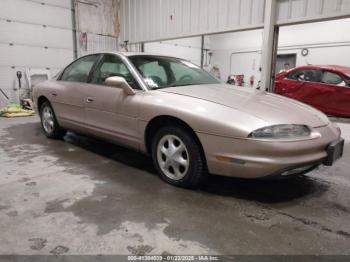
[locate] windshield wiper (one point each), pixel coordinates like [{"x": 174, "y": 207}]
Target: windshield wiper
[
  {"x": 161, "y": 87},
  {"x": 180, "y": 85},
  {"x": 155, "y": 88}
]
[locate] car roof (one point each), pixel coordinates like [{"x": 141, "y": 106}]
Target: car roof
[
  {"x": 343, "y": 69},
  {"x": 128, "y": 54}
]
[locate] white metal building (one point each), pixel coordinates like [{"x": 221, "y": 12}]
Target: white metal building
[{"x": 40, "y": 35}]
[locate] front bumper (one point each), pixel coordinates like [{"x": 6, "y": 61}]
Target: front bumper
[
  {"x": 334, "y": 152},
  {"x": 247, "y": 158}
]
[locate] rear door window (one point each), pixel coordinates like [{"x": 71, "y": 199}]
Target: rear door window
[
  {"x": 79, "y": 70},
  {"x": 332, "y": 78}
]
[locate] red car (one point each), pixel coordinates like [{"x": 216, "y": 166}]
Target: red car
[{"x": 326, "y": 88}]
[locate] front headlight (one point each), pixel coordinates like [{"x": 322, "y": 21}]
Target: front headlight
[{"x": 281, "y": 131}]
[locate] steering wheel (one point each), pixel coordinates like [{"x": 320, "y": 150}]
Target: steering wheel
[
  {"x": 301, "y": 78},
  {"x": 186, "y": 77},
  {"x": 156, "y": 79}
]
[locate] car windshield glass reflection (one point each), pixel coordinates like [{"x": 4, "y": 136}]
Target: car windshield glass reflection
[{"x": 163, "y": 72}]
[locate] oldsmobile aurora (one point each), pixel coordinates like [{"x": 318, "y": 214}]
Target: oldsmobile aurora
[{"x": 185, "y": 119}]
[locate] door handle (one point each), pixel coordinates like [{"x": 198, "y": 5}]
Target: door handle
[
  {"x": 89, "y": 100},
  {"x": 53, "y": 94}
]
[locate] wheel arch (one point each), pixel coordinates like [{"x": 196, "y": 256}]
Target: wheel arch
[
  {"x": 166, "y": 120},
  {"x": 41, "y": 100}
]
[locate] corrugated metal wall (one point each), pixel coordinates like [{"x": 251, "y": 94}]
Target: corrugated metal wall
[
  {"x": 150, "y": 20},
  {"x": 294, "y": 11},
  {"x": 97, "y": 43}
]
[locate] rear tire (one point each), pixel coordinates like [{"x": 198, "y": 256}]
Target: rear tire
[
  {"x": 49, "y": 122},
  {"x": 178, "y": 157}
]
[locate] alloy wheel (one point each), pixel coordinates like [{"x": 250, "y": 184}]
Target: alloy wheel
[
  {"x": 173, "y": 157},
  {"x": 48, "y": 120}
]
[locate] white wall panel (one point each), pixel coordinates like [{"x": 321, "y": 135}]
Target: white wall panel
[
  {"x": 246, "y": 12},
  {"x": 34, "y": 57},
  {"x": 99, "y": 43},
  {"x": 187, "y": 48},
  {"x": 57, "y": 3},
  {"x": 149, "y": 20},
  {"x": 194, "y": 25},
  {"x": 181, "y": 18},
  {"x": 32, "y": 12},
  {"x": 297, "y": 11},
  {"x": 234, "y": 15},
  {"x": 205, "y": 17},
  {"x": 257, "y": 12},
  {"x": 33, "y": 34}
]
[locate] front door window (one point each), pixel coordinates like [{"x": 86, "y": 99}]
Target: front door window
[{"x": 112, "y": 65}]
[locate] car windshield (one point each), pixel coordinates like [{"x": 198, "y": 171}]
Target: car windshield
[{"x": 162, "y": 72}]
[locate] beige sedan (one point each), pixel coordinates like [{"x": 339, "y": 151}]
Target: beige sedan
[{"x": 185, "y": 119}]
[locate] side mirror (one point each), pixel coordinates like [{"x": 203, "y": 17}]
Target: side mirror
[{"x": 120, "y": 82}]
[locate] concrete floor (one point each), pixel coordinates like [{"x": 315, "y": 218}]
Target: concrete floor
[{"x": 83, "y": 196}]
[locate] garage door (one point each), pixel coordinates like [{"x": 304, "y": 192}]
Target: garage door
[{"x": 33, "y": 35}]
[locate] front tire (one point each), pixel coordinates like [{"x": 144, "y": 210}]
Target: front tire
[
  {"x": 178, "y": 157},
  {"x": 49, "y": 122}
]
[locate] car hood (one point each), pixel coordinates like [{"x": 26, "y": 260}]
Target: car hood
[{"x": 271, "y": 108}]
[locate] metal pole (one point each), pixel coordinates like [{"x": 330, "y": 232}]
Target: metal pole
[
  {"x": 269, "y": 44},
  {"x": 74, "y": 30},
  {"x": 274, "y": 59},
  {"x": 202, "y": 51}
]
